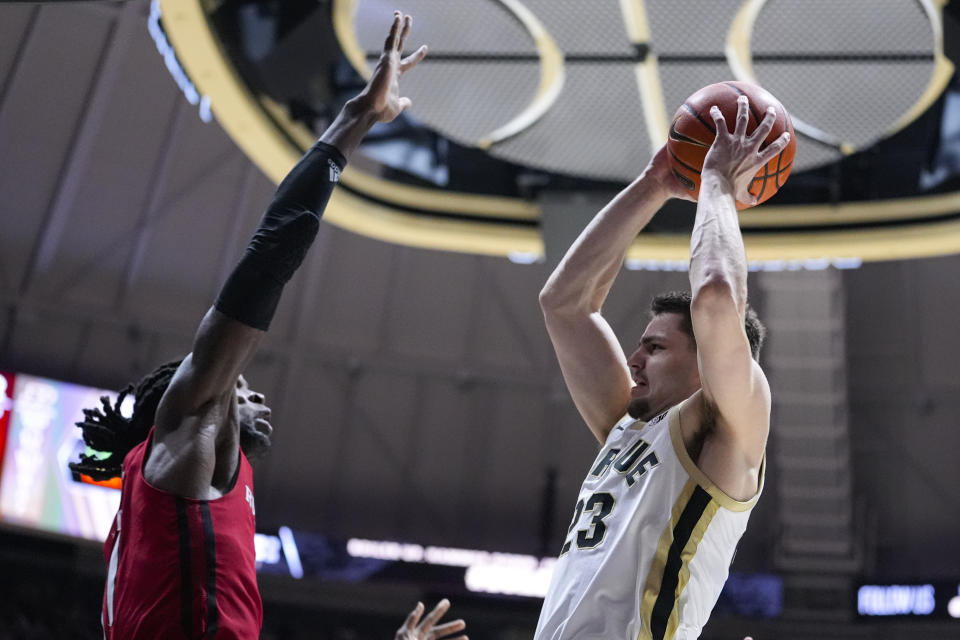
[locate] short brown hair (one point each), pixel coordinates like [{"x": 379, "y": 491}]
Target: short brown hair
[{"x": 679, "y": 302}]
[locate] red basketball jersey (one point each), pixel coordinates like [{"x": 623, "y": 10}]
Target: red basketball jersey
[{"x": 181, "y": 568}]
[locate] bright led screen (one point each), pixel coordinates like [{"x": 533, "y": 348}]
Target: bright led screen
[{"x": 36, "y": 487}]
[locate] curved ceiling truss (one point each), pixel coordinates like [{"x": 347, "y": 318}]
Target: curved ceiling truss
[{"x": 870, "y": 229}]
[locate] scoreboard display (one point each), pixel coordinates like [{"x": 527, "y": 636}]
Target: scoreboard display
[{"x": 38, "y": 438}]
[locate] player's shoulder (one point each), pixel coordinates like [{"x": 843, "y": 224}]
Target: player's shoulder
[
  {"x": 694, "y": 404},
  {"x": 694, "y": 414}
]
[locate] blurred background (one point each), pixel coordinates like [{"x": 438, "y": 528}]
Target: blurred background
[{"x": 425, "y": 444}]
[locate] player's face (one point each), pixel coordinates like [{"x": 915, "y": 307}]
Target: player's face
[
  {"x": 255, "y": 427},
  {"x": 664, "y": 367}
]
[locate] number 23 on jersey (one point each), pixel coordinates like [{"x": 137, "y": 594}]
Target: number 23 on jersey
[{"x": 632, "y": 465}]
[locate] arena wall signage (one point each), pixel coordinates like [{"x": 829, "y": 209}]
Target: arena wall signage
[{"x": 909, "y": 600}]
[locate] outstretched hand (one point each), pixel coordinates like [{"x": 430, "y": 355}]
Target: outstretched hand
[
  {"x": 381, "y": 96},
  {"x": 736, "y": 156},
  {"x": 413, "y": 629}
]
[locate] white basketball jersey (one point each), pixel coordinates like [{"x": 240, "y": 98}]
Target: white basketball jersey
[{"x": 650, "y": 544}]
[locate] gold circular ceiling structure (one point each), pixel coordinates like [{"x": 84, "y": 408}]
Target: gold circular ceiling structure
[{"x": 892, "y": 228}]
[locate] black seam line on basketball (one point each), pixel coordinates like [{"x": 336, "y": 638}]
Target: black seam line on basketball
[
  {"x": 693, "y": 111},
  {"x": 779, "y": 160},
  {"x": 679, "y": 137},
  {"x": 749, "y": 104},
  {"x": 686, "y": 182},
  {"x": 800, "y": 57},
  {"x": 667, "y": 596},
  {"x": 766, "y": 176},
  {"x": 779, "y": 170},
  {"x": 186, "y": 588},
  {"x": 210, "y": 555},
  {"x": 681, "y": 162}
]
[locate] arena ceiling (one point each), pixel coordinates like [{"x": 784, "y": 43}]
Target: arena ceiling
[{"x": 521, "y": 100}]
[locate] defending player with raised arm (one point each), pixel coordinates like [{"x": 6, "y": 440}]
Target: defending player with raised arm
[
  {"x": 180, "y": 554},
  {"x": 683, "y": 420}
]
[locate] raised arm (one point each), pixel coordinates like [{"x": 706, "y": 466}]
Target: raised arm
[
  {"x": 735, "y": 390},
  {"x": 198, "y": 402},
  {"x": 593, "y": 364}
]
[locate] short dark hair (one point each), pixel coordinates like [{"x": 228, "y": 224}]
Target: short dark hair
[
  {"x": 679, "y": 302},
  {"x": 108, "y": 432}
]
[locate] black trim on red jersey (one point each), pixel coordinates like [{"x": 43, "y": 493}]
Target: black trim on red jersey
[
  {"x": 186, "y": 590},
  {"x": 210, "y": 553}
]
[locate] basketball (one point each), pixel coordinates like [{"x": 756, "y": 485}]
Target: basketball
[{"x": 692, "y": 132}]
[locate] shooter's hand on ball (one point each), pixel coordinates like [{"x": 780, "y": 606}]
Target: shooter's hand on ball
[
  {"x": 660, "y": 168},
  {"x": 736, "y": 157}
]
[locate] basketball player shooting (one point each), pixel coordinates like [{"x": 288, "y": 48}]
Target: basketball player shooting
[
  {"x": 661, "y": 510},
  {"x": 180, "y": 552}
]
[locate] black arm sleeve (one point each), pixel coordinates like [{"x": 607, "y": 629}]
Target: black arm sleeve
[{"x": 288, "y": 228}]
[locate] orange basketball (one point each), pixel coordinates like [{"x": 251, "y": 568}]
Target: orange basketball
[{"x": 692, "y": 132}]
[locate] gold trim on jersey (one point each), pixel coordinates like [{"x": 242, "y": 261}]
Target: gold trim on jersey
[
  {"x": 698, "y": 476},
  {"x": 692, "y": 503},
  {"x": 689, "y": 550}
]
